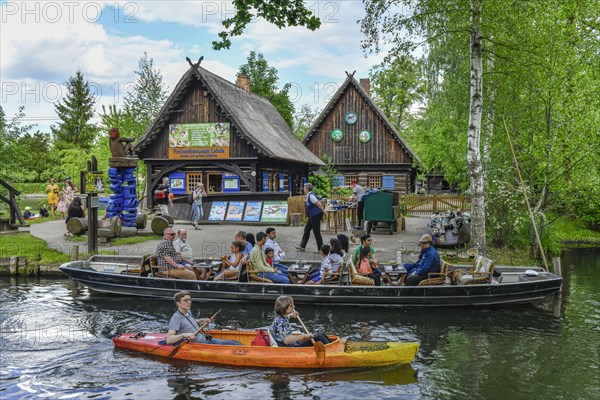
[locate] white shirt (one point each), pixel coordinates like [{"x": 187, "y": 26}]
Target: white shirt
[
  {"x": 184, "y": 249},
  {"x": 279, "y": 254}
]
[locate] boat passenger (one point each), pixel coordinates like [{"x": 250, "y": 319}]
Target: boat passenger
[
  {"x": 429, "y": 261},
  {"x": 240, "y": 236},
  {"x": 184, "y": 252},
  {"x": 257, "y": 257},
  {"x": 365, "y": 240},
  {"x": 183, "y": 324},
  {"x": 279, "y": 254},
  {"x": 367, "y": 267},
  {"x": 269, "y": 254},
  {"x": 169, "y": 264},
  {"x": 282, "y": 332},
  {"x": 230, "y": 265},
  {"x": 344, "y": 242},
  {"x": 330, "y": 265}
]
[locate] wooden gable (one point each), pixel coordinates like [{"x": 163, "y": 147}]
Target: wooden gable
[{"x": 385, "y": 145}]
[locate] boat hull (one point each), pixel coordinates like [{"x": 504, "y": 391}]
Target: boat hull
[
  {"x": 338, "y": 354},
  {"x": 525, "y": 290}
]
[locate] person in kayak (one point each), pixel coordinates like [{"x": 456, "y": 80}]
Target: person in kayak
[
  {"x": 282, "y": 332},
  {"x": 183, "y": 324}
]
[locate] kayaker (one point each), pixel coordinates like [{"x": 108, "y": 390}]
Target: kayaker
[
  {"x": 183, "y": 324},
  {"x": 282, "y": 332},
  {"x": 429, "y": 261}
]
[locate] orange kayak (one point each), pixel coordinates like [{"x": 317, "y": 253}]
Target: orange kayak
[{"x": 340, "y": 353}]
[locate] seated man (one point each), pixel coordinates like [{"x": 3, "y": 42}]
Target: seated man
[
  {"x": 44, "y": 212},
  {"x": 183, "y": 325},
  {"x": 429, "y": 261},
  {"x": 257, "y": 257},
  {"x": 240, "y": 236},
  {"x": 169, "y": 264},
  {"x": 184, "y": 252}
]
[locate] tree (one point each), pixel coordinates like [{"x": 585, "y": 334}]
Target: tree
[
  {"x": 264, "y": 82},
  {"x": 11, "y": 153},
  {"x": 145, "y": 100},
  {"x": 75, "y": 112},
  {"x": 303, "y": 120},
  {"x": 280, "y": 13},
  {"x": 398, "y": 83}
]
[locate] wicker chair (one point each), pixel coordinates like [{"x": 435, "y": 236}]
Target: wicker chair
[
  {"x": 437, "y": 278},
  {"x": 253, "y": 274},
  {"x": 481, "y": 272},
  {"x": 357, "y": 278}
]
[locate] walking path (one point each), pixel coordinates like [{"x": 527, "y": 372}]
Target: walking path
[{"x": 215, "y": 240}]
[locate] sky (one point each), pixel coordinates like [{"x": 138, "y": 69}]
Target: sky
[{"x": 43, "y": 43}]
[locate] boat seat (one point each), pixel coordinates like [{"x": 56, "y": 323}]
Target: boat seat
[
  {"x": 357, "y": 278},
  {"x": 481, "y": 272},
  {"x": 253, "y": 274},
  {"x": 437, "y": 278},
  {"x": 146, "y": 265}
]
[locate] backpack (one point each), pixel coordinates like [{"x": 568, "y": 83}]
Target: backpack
[
  {"x": 191, "y": 198},
  {"x": 261, "y": 338}
]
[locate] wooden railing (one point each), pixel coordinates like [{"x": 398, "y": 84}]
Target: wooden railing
[
  {"x": 425, "y": 204},
  {"x": 11, "y": 200}
]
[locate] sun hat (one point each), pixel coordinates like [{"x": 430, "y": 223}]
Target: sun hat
[
  {"x": 426, "y": 239},
  {"x": 27, "y": 208}
]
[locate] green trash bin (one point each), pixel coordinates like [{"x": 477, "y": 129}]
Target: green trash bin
[{"x": 381, "y": 210}]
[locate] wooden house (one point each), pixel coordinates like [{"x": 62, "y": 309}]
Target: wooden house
[
  {"x": 363, "y": 144},
  {"x": 216, "y": 132}
]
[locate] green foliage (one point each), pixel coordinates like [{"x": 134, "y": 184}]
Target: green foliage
[
  {"x": 31, "y": 247},
  {"x": 75, "y": 111},
  {"x": 321, "y": 185},
  {"x": 281, "y": 13},
  {"x": 264, "y": 82},
  {"x": 303, "y": 121}
]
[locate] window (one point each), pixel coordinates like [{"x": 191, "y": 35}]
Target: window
[
  {"x": 192, "y": 179},
  {"x": 388, "y": 182},
  {"x": 215, "y": 182},
  {"x": 338, "y": 180},
  {"x": 374, "y": 182},
  {"x": 348, "y": 179}
]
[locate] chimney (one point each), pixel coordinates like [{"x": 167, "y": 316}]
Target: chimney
[
  {"x": 365, "y": 83},
  {"x": 243, "y": 81}
]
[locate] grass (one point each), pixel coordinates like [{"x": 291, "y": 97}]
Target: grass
[
  {"x": 25, "y": 245},
  {"x": 567, "y": 229}
]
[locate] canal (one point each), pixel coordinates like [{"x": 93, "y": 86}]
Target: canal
[{"x": 55, "y": 343}]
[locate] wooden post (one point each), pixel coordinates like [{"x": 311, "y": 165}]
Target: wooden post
[
  {"x": 557, "y": 302},
  {"x": 75, "y": 252},
  {"x": 556, "y": 265},
  {"x": 14, "y": 265}
]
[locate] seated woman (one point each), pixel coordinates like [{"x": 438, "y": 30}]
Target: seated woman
[
  {"x": 366, "y": 267},
  {"x": 330, "y": 265},
  {"x": 230, "y": 266},
  {"x": 183, "y": 325},
  {"x": 282, "y": 332}
]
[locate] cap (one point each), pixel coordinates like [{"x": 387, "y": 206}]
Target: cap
[
  {"x": 426, "y": 239},
  {"x": 27, "y": 208}
]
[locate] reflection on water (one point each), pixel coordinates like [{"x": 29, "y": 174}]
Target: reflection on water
[{"x": 55, "y": 342}]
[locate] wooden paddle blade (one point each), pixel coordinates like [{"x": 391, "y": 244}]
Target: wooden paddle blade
[
  {"x": 179, "y": 346},
  {"x": 320, "y": 351}
]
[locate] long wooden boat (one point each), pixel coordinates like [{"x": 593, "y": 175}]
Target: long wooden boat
[
  {"x": 113, "y": 274},
  {"x": 340, "y": 353}
]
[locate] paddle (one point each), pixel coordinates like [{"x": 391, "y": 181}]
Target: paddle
[
  {"x": 187, "y": 340},
  {"x": 319, "y": 347}
]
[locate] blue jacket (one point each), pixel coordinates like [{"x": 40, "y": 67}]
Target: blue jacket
[{"x": 429, "y": 261}]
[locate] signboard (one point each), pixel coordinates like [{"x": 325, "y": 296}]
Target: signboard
[
  {"x": 274, "y": 211},
  {"x": 235, "y": 211},
  {"x": 199, "y": 141},
  {"x": 93, "y": 182},
  {"x": 252, "y": 212},
  {"x": 217, "y": 211}
]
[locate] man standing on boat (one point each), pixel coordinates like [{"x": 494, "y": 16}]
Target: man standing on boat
[
  {"x": 183, "y": 324},
  {"x": 429, "y": 261},
  {"x": 169, "y": 264},
  {"x": 314, "y": 210},
  {"x": 257, "y": 257}
]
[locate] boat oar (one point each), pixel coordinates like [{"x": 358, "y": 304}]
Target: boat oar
[
  {"x": 319, "y": 347},
  {"x": 187, "y": 340}
]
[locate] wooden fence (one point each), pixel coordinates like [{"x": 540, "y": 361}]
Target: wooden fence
[{"x": 425, "y": 204}]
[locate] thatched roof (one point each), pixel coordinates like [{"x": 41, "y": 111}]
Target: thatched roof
[
  {"x": 256, "y": 120},
  {"x": 351, "y": 81}
]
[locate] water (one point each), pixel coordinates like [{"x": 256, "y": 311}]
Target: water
[{"x": 55, "y": 343}]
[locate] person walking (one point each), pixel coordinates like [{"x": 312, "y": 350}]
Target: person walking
[
  {"x": 357, "y": 195},
  {"x": 197, "y": 196},
  {"x": 162, "y": 196},
  {"x": 314, "y": 210}
]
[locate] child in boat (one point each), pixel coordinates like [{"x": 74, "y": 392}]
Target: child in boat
[
  {"x": 269, "y": 254},
  {"x": 230, "y": 265},
  {"x": 365, "y": 266},
  {"x": 281, "y": 330},
  {"x": 183, "y": 325},
  {"x": 331, "y": 262}
]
